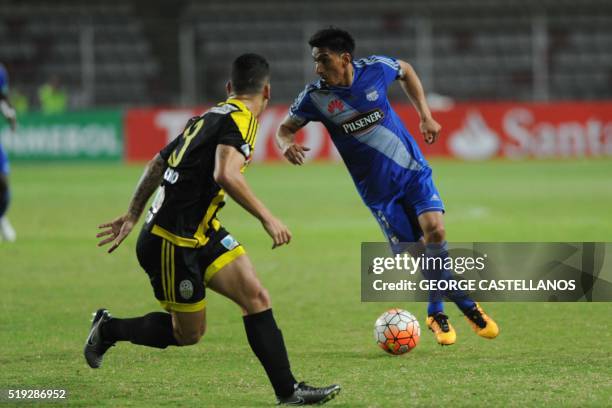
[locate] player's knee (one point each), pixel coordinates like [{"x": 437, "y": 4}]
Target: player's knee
[
  {"x": 257, "y": 299},
  {"x": 189, "y": 336},
  {"x": 187, "y": 339},
  {"x": 264, "y": 298},
  {"x": 260, "y": 298},
  {"x": 435, "y": 234}
]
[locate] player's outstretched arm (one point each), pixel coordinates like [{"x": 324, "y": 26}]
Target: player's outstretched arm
[
  {"x": 411, "y": 84},
  {"x": 118, "y": 229},
  {"x": 285, "y": 139},
  {"x": 228, "y": 162}
]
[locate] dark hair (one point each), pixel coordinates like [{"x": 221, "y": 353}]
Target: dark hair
[
  {"x": 334, "y": 39},
  {"x": 249, "y": 73}
]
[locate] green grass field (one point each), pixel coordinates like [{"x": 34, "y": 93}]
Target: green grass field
[{"x": 54, "y": 276}]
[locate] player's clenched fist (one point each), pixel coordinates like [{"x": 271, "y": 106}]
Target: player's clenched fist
[
  {"x": 430, "y": 130},
  {"x": 295, "y": 153}
]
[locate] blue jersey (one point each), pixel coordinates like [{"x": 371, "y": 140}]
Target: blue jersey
[
  {"x": 380, "y": 154},
  {"x": 3, "y": 81},
  {"x": 4, "y": 163}
]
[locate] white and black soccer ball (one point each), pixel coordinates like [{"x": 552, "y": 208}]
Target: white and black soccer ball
[{"x": 397, "y": 331}]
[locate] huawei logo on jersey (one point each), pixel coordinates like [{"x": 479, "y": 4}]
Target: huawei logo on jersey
[
  {"x": 335, "y": 104},
  {"x": 363, "y": 122}
]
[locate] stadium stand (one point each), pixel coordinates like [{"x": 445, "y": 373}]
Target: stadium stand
[{"x": 488, "y": 54}]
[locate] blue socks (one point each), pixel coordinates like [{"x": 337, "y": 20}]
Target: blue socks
[{"x": 461, "y": 299}]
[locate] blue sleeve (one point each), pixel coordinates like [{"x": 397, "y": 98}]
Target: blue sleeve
[
  {"x": 302, "y": 109},
  {"x": 3, "y": 81},
  {"x": 390, "y": 68}
]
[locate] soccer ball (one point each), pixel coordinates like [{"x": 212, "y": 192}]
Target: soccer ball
[{"x": 396, "y": 331}]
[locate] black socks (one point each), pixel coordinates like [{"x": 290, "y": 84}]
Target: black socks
[
  {"x": 266, "y": 340},
  {"x": 4, "y": 199},
  {"x": 153, "y": 330},
  {"x": 267, "y": 343}
]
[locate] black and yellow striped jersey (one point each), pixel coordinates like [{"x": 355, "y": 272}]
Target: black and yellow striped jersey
[{"x": 185, "y": 208}]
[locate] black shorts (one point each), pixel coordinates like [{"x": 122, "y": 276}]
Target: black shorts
[{"x": 179, "y": 274}]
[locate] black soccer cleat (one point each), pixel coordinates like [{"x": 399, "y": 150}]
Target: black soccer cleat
[
  {"x": 307, "y": 395},
  {"x": 95, "y": 346}
]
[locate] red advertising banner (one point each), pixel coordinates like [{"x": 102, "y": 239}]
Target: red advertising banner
[
  {"x": 470, "y": 131},
  {"x": 516, "y": 131},
  {"x": 148, "y": 130}
]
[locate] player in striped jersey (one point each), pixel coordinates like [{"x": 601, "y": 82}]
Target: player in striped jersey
[{"x": 390, "y": 173}]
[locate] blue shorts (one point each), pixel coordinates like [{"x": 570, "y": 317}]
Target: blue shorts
[
  {"x": 398, "y": 217},
  {"x": 4, "y": 163}
]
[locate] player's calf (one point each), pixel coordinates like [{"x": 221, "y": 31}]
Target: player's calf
[
  {"x": 256, "y": 300},
  {"x": 239, "y": 282},
  {"x": 153, "y": 330},
  {"x": 188, "y": 327},
  {"x": 432, "y": 225},
  {"x": 188, "y": 338}
]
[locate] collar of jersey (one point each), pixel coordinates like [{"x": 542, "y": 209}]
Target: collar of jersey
[{"x": 238, "y": 103}]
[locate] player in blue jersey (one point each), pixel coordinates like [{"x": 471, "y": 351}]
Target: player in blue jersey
[
  {"x": 6, "y": 230},
  {"x": 387, "y": 166}
]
